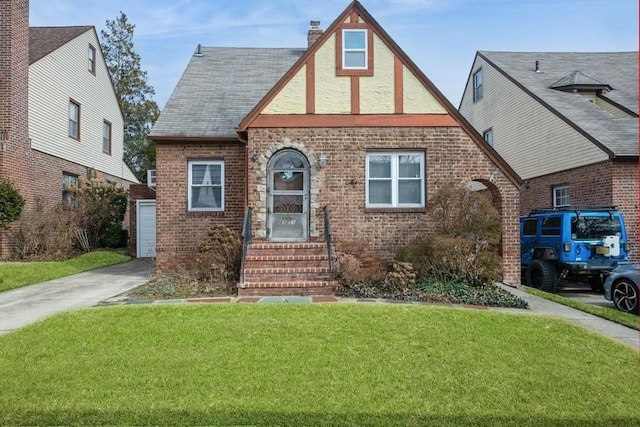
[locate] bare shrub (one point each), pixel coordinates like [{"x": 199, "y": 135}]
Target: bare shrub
[
  {"x": 464, "y": 244},
  {"x": 45, "y": 233},
  {"x": 219, "y": 256},
  {"x": 356, "y": 266}
]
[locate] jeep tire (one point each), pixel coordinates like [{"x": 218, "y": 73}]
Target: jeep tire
[{"x": 542, "y": 274}]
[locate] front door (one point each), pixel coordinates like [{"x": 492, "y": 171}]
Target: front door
[{"x": 288, "y": 197}]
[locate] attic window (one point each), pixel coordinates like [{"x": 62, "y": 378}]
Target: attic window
[
  {"x": 91, "y": 60},
  {"x": 354, "y": 50}
]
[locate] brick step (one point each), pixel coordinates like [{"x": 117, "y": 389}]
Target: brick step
[
  {"x": 286, "y": 249},
  {"x": 286, "y": 261},
  {"x": 285, "y": 274},
  {"x": 300, "y": 288}
]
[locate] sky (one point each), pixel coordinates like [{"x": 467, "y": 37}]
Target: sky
[{"x": 440, "y": 36}]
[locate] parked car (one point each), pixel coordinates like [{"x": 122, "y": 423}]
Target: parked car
[
  {"x": 622, "y": 286},
  {"x": 575, "y": 244}
]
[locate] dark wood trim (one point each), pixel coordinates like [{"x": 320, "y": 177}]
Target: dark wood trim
[
  {"x": 398, "y": 85},
  {"x": 353, "y": 120},
  {"x": 370, "y": 49},
  {"x": 355, "y": 95},
  {"x": 311, "y": 85}
]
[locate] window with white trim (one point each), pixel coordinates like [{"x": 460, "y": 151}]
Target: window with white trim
[
  {"x": 106, "y": 137},
  {"x": 206, "y": 185},
  {"x": 354, "y": 49},
  {"x": 91, "y": 59},
  {"x": 74, "y": 119},
  {"x": 488, "y": 136},
  {"x": 561, "y": 196},
  {"x": 395, "y": 179},
  {"x": 477, "y": 85}
]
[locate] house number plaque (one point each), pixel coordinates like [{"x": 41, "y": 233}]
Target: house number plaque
[{"x": 287, "y": 221}]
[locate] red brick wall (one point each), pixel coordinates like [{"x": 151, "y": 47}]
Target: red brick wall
[
  {"x": 450, "y": 156},
  {"x": 15, "y": 160},
  {"x": 137, "y": 192},
  {"x": 604, "y": 184},
  {"x": 179, "y": 232}
]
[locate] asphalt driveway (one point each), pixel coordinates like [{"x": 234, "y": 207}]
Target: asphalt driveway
[{"x": 23, "y": 306}]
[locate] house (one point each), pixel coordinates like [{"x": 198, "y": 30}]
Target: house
[
  {"x": 567, "y": 123},
  {"x": 59, "y": 114},
  {"x": 336, "y": 144}
]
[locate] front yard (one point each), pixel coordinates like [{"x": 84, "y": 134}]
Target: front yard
[{"x": 334, "y": 364}]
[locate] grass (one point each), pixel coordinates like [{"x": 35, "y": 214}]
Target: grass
[
  {"x": 615, "y": 315},
  {"x": 334, "y": 364},
  {"x": 17, "y": 274}
]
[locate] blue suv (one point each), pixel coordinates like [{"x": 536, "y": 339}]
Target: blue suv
[{"x": 575, "y": 244}]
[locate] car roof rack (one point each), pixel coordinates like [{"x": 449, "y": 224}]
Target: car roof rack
[{"x": 574, "y": 208}]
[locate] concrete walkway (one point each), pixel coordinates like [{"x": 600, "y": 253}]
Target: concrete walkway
[{"x": 21, "y": 307}]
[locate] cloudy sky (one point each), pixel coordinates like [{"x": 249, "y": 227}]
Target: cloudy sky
[{"x": 440, "y": 36}]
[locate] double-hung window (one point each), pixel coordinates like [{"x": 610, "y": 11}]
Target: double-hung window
[
  {"x": 561, "y": 196},
  {"x": 69, "y": 190},
  {"x": 206, "y": 185},
  {"x": 74, "y": 119},
  {"x": 91, "y": 59},
  {"x": 354, "y": 49},
  {"x": 477, "y": 85},
  {"x": 395, "y": 179},
  {"x": 106, "y": 137}
]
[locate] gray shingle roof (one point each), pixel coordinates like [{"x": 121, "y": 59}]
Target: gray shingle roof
[
  {"x": 616, "y": 69},
  {"x": 44, "y": 40},
  {"x": 219, "y": 88}
]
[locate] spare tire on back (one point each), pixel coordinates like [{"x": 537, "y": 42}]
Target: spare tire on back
[{"x": 542, "y": 274}]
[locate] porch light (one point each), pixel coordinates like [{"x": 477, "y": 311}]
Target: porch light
[{"x": 322, "y": 160}]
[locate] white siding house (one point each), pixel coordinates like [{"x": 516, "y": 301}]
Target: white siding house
[{"x": 67, "y": 67}]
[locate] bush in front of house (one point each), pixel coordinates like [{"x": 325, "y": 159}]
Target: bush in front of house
[
  {"x": 11, "y": 203},
  {"x": 100, "y": 211},
  {"x": 457, "y": 263}
]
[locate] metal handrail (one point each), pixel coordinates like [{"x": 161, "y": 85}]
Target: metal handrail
[
  {"x": 328, "y": 237},
  {"x": 247, "y": 231}
]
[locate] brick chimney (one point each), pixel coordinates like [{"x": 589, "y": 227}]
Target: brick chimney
[
  {"x": 314, "y": 32},
  {"x": 14, "y": 94}
]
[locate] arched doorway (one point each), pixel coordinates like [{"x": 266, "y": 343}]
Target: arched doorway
[{"x": 288, "y": 197}]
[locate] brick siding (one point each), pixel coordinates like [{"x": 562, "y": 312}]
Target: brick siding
[
  {"x": 179, "y": 232},
  {"x": 603, "y": 184},
  {"x": 450, "y": 156}
]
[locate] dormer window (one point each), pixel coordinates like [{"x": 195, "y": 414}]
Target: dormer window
[{"x": 354, "y": 49}]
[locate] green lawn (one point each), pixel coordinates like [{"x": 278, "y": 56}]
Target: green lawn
[
  {"x": 333, "y": 364},
  {"x": 17, "y": 274},
  {"x": 627, "y": 319}
]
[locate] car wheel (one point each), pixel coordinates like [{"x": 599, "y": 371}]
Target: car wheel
[
  {"x": 625, "y": 296},
  {"x": 542, "y": 274}
]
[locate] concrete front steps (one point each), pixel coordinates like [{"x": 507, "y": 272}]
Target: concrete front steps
[{"x": 277, "y": 269}]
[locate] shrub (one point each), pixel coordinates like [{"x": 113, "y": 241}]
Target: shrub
[
  {"x": 465, "y": 241},
  {"x": 219, "y": 256},
  {"x": 101, "y": 210},
  {"x": 11, "y": 203},
  {"x": 44, "y": 233}
]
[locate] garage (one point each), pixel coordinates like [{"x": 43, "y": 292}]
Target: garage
[{"x": 146, "y": 228}]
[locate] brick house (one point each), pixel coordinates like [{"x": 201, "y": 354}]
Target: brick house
[
  {"x": 51, "y": 133},
  {"x": 347, "y": 135},
  {"x": 566, "y": 122}
]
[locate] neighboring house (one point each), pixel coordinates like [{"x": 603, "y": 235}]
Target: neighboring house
[
  {"x": 267, "y": 138},
  {"x": 59, "y": 114},
  {"x": 566, "y": 122}
]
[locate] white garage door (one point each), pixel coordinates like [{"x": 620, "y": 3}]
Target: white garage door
[{"x": 146, "y": 228}]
